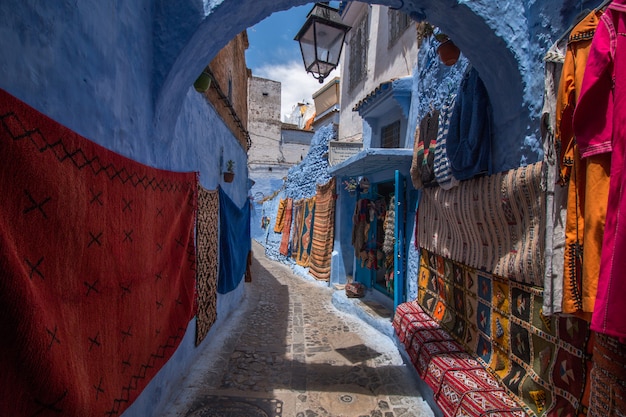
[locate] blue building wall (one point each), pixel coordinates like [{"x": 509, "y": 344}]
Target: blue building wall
[
  {"x": 301, "y": 182},
  {"x": 119, "y": 73}
]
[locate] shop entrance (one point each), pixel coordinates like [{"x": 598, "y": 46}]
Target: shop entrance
[{"x": 373, "y": 236}]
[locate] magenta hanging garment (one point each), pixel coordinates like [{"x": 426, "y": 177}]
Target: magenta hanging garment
[{"x": 600, "y": 125}]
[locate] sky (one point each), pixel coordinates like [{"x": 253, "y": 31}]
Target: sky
[{"x": 273, "y": 54}]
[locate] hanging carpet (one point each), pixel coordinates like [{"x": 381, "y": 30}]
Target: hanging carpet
[
  {"x": 98, "y": 269},
  {"x": 303, "y": 252},
  {"x": 280, "y": 216},
  {"x": 298, "y": 222},
  {"x": 206, "y": 286},
  {"x": 284, "y": 242},
  {"x": 543, "y": 361},
  {"x": 494, "y": 223},
  {"x": 234, "y": 243},
  {"x": 323, "y": 231}
]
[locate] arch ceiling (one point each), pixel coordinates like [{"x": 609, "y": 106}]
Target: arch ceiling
[{"x": 496, "y": 37}]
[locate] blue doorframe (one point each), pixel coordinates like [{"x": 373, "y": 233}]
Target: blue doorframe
[{"x": 399, "y": 253}]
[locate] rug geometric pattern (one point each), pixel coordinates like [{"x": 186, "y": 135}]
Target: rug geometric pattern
[
  {"x": 206, "y": 280},
  {"x": 543, "y": 361},
  {"x": 98, "y": 265}
]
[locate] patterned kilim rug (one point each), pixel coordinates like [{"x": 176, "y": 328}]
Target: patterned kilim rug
[
  {"x": 284, "y": 242},
  {"x": 298, "y": 222},
  {"x": 541, "y": 360},
  {"x": 206, "y": 285},
  {"x": 495, "y": 223},
  {"x": 98, "y": 262},
  {"x": 280, "y": 216},
  {"x": 303, "y": 252},
  {"x": 323, "y": 231}
]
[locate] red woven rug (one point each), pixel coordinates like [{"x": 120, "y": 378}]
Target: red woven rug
[{"x": 98, "y": 269}]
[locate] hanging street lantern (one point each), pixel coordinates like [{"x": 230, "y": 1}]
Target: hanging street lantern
[{"x": 321, "y": 40}]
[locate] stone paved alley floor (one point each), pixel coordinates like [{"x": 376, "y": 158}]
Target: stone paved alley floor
[{"x": 292, "y": 353}]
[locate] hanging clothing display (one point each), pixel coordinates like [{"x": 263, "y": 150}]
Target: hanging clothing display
[
  {"x": 556, "y": 196},
  {"x": 389, "y": 243},
  {"x": 389, "y": 225},
  {"x": 469, "y": 134},
  {"x": 601, "y": 124},
  {"x": 423, "y": 165},
  {"x": 579, "y": 282},
  {"x": 414, "y": 172},
  {"x": 443, "y": 172},
  {"x": 360, "y": 228}
]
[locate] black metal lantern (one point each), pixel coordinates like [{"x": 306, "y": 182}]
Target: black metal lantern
[{"x": 321, "y": 40}]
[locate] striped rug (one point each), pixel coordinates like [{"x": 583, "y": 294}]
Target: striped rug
[
  {"x": 323, "y": 231},
  {"x": 493, "y": 223}
]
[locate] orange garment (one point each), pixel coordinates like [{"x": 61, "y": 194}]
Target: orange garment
[
  {"x": 579, "y": 282},
  {"x": 598, "y": 171},
  {"x": 280, "y": 216}
]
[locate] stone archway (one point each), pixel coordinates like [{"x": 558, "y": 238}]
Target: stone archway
[{"x": 497, "y": 41}]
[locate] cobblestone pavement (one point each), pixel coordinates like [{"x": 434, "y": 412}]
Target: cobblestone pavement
[{"x": 292, "y": 353}]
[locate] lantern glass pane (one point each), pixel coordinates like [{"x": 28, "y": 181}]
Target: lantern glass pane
[
  {"x": 329, "y": 43},
  {"x": 307, "y": 46}
]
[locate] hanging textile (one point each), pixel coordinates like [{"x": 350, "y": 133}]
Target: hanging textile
[
  {"x": 423, "y": 165},
  {"x": 469, "y": 135},
  {"x": 389, "y": 226},
  {"x": 284, "y": 242},
  {"x": 234, "y": 242},
  {"x": 443, "y": 172},
  {"x": 493, "y": 223},
  {"x": 206, "y": 281},
  {"x": 98, "y": 269},
  {"x": 602, "y": 128},
  {"x": 298, "y": 223},
  {"x": 544, "y": 361},
  {"x": 608, "y": 378},
  {"x": 556, "y": 196},
  {"x": 323, "y": 231},
  {"x": 580, "y": 278},
  {"x": 389, "y": 242},
  {"x": 305, "y": 237},
  {"x": 280, "y": 216},
  {"x": 414, "y": 172},
  {"x": 360, "y": 228}
]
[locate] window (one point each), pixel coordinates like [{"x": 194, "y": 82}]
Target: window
[
  {"x": 390, "y": 135},
  {"x": 357, "y": 64},
  {"x": 398, "y": 22}
]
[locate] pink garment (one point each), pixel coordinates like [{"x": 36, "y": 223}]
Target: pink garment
[
  {"x": 600, "y": 126},
  {"x": 593, "y": 116}
]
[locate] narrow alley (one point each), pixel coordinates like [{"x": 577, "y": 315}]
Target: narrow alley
[{"x": 292, "y": 353}]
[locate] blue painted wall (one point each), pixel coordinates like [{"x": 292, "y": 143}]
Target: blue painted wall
[
  {"x": 119, "y": 74},
  {"x": 302, "y": 181}
]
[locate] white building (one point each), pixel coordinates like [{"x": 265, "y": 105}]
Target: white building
[{"x": 381, "y": 46}]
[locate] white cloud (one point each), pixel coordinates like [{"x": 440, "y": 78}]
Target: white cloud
[{"x": 296, "y": 84}]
